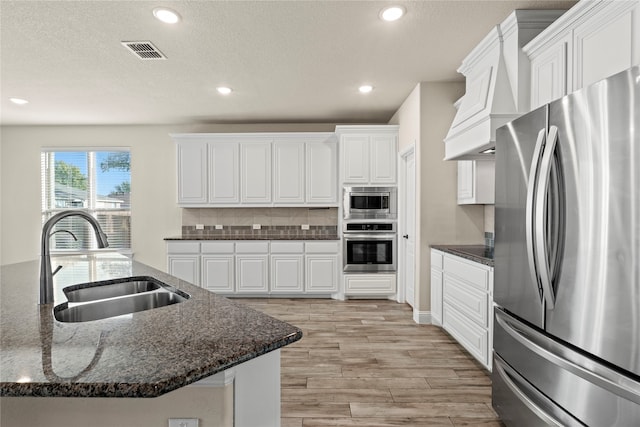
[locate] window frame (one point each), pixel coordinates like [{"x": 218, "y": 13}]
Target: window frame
[{"x": 92, "y": 196}]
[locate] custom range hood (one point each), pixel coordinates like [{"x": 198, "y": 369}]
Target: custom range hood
[{"x": 498, "y": 82}]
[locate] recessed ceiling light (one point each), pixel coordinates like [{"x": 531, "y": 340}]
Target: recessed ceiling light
[
  {"x": 223, "y": 90},
  {"x": 392, "y": 13},
  {"x": 166, "y": 15},
  {"x": 18, "y": 101},
  {"x": 365, "y": 88}
]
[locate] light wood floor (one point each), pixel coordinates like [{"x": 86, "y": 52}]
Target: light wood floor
[{"x": 366, "y": 363}]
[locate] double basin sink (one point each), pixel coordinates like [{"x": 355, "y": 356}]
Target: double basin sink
[{"x": 111, "y": 298}]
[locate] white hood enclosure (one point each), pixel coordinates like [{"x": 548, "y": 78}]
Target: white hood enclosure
[{"x": 498, "y": 85}]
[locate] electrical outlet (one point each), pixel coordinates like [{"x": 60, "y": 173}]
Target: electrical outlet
[
  {"x": 183, "y": 422},
  {"x": 257, "y": 226},
  {"x": 219, "y": 227},
  {"x": 304, "y": 226},
  {"x": 199, "y": 226}
]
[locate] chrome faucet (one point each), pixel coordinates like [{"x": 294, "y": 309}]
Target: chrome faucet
[{"x": 46, "y": 275}]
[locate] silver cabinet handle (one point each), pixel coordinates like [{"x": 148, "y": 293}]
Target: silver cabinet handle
[
  {"x": 541, "y": 251},
  {"x": 532, "y": 185}
]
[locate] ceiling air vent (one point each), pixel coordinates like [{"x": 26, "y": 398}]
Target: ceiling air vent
[{"x": 144, "y": 50}]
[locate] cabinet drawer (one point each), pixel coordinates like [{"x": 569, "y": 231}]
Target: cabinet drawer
[
  {"x": 471, "y": 336},
  {"x": 369, "y": 284},
  {"x": 183, "y": 247},
  {"x": 217, "y": 247},
  {"x": 287, "y": 247},
  {"x": 252, "y": 247},
  {"x": 469, "y": 271},
  {"x": 467, "y": 299},
  {"x": 436, "y": 259},
  {"x": 331, "y": 247}
]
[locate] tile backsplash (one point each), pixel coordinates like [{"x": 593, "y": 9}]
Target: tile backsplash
[{"x": 262, "y": 216}]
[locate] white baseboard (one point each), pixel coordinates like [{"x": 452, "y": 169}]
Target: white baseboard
[{"x": 422, "y": 317}]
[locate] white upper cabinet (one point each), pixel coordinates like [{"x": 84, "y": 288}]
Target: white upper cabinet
[
  {"x": 259, "y": 169},
  {"x": 591, "y": 41},
  {"x": 224, "y": 174},
  {"x": 288, "y": 172},
  {"x": 368, "y": 154},
  {"x": 192, "y": 176},
  {"x": 255, "y": 172},
  {"x": 383, "y": 155},
  {"x": 322, "y": 172},
  {"x": 476, "y": 182}
]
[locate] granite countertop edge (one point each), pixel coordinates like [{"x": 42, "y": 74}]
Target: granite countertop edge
[{"x": 464, "y": 251}]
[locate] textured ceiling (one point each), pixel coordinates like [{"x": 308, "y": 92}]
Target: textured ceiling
[{"x": 287, "y": 61}]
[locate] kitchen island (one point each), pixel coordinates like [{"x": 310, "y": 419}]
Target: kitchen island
[{"x": 206, "y": 342}]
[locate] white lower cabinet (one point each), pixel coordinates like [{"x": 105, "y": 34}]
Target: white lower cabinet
[
  {"x": 321, "y": 273},
  {"x": 437, "y": 259},
  {"x": 252, "y": 267},
  {"x": 257, "y": 267},
  {"x": 287, "y": 266},
  {"x": 462, "y": 300},
  {"x": 184, "y": 261},
  {"x": 218, "y": 273},
  {"x": 370, "y": 284}
]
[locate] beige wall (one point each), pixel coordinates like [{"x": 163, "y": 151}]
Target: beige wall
[
  {"x": 425, "y": 117},
  {"x": 155, "y": 214}
]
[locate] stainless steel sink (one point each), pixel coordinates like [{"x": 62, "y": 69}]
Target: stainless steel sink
[
  {"x": 102, "y": 300},
  {"x": 111, "y": 289}
]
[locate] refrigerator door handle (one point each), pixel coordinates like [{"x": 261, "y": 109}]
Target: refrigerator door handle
[
  {"x": 532, "y": 185},
  {"x": 532, "y": 398},
  {"x": 541, "y": 251},
  {"x": 569, "y": 360}
]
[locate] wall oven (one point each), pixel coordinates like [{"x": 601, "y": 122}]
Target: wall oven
[
  {"x": 370, "y": 203},
  {"x": 369, "y": 247}
]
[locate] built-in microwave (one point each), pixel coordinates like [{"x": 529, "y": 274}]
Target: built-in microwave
[{"x": 370, "y": 202}]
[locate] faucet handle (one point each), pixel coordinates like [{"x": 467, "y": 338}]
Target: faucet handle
[{"x": 56, "y": 270}]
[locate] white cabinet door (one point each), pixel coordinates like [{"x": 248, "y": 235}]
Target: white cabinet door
[
  {"x": 355, "y": 158},
  {"x": 322, "y": 173},
  {"x": 255, "y": 167},
  {"x": 476, "y": 182},
  {"x": 548, "y": 74},
  {"x": 382, "y": 156},
  {"x": 251, "y": 273},
  {"x": 224, "y": 173},
  {"x": 192, "y": 172},
  {"x": 606, "y": 44},
  {"x": 288, "y": 172},
  {"x": 185, "y": 267},
  {"x": 286, "y": 273},
  {"x": 321, "y": 273},
  {"x": 217, "y": 273}
]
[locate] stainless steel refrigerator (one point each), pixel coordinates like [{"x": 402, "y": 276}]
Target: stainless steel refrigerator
[{"x": 567, "y": 260}]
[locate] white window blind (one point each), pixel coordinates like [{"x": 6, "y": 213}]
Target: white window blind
[{"x": 98, "y": 182}]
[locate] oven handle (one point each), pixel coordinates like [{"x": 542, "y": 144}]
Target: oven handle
[{"x": 369, "y": 236}]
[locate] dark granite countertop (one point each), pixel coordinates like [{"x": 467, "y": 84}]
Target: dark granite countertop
[
  {"x": 144, "y": 354},
  {"x": 478, "y": 253}
]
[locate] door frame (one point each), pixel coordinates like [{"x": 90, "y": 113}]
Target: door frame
[{"x": 402, "y": 186}]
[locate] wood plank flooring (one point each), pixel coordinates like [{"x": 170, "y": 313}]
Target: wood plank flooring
[{"x": 366, "y": 363}]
